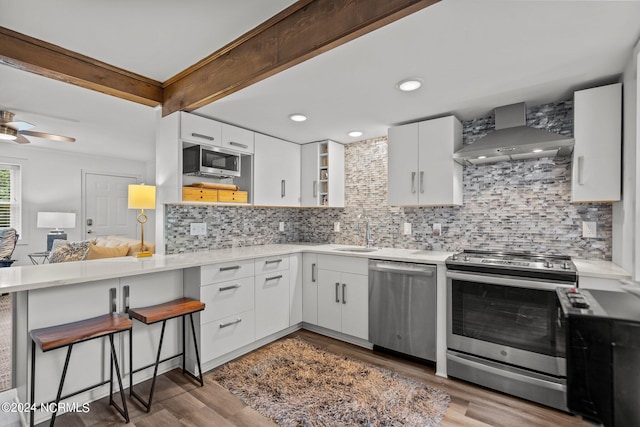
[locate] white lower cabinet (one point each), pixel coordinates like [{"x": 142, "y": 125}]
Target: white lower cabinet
[
  {"x": 310, "y": 288},
  {"x": 225, "y": 335},
  {"x": 343, "y": 295},
  {"x": 272, "y": 303}
]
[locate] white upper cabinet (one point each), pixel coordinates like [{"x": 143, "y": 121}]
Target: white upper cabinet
[
  {"x": 200, "y": 130},
  {"x": 322, "y": 177},
  {"x": 276, "y": 172},
  {"x": 597, "y": 151},
  {"x": 421, "y": 166},
  {"x": 237, "y": 139}
]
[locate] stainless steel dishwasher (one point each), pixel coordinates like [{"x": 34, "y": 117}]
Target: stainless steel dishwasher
[{"x": 402, "y": 307}]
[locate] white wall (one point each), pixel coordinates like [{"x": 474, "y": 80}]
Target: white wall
[{"x": 52, "y": 181}]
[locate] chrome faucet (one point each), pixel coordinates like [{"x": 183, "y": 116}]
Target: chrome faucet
[{"x": 367, "y": 235}]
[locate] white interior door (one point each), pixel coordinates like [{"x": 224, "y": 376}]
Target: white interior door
[{"x": 106, "y": 210}]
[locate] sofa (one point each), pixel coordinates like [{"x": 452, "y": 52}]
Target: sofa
[{"x": 96, "y": 248}]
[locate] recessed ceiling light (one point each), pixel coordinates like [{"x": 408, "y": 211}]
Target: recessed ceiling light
[
  {"x": 409, "y": 85},
  {"x": 538, "y": 150},
  {"x": 355, "y": 133},
  {"x": 298, "y": 117}
]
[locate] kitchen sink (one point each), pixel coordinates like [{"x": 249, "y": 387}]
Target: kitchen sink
[{"x": 357, "y": 249}]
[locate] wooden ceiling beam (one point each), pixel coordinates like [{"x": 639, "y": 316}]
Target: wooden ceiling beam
[
  {"x": 300, "y": 32},
  {"x": 29, "y": 54}
]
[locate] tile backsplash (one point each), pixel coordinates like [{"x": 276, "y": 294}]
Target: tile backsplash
[{"x": 516, "y": 206}]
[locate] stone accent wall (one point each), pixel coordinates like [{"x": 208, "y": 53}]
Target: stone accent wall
[{"x": 514, "y": 206}]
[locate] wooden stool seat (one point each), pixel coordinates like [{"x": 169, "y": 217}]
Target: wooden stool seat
[
  {"x": 76, "y": 332},
  {"x": 180, "y": 307},
  {"x": 69, "y": 334},
  {"x": 166, "y": 311}
]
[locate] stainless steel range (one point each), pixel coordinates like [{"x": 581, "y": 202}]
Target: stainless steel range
[{"x": 505, "y": 327}]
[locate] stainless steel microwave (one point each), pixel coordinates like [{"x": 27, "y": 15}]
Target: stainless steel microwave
[{"x": 207, "y": 160}]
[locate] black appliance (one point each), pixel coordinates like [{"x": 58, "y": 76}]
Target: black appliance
[
  {"x": 603, "y": 355},
  {"x": 207, "y": 160},
  {"x": 505, "y": 329}
]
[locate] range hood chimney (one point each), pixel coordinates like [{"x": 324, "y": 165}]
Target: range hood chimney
[{"x": 514, "y": 140}]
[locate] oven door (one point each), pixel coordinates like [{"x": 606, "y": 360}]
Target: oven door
[
  {"x": 507, "y": 319},
  {"x": 218, "y": 161}
]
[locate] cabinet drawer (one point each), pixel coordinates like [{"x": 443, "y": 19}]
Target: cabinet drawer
[
  {"x": 217, "y": 273},
  {"x": 346, "y": 264},
  {"x": 237, "y": 139},
  {"x": 199, "y": 194},
  {"x": 225, "y": 335},
  {"x": 200, "y": 130},
  {"x": 276, "y": 263},
  {"x": 232, "y": 196},
  {"x": 226, "y": 298}
]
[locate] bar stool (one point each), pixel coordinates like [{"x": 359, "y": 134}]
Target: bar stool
[
  {"x": 69, "y": 334},
  {"x": 161, "y": 313}
]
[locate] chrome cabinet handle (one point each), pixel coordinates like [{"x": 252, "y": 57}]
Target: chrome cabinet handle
[
  {"x": 313, "y": 272},
  {"x": 344, "y": 299},
  {"x": 225, "y": 325},
  {"x": 113, "y": 294},
  {"x": 580, "y": 170},
  {"x": 237, "y": 144},
  {"x": 273, "y": 261},
  {"x": 233, "y": 267},
  {"x": 199, "y": 135},
  {"x": 228, "y": 288},
  {"x": 315, "y": 188},
  {"x": 337, "y": 288},
  {"x": 273, "y": 278},
  {"x": 413, "y": 182},
  {"x": 422, "y": 181},
  {"x": 283, "y": 189}
]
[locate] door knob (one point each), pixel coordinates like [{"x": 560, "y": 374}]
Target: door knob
[{"x": 89, "y": 231}]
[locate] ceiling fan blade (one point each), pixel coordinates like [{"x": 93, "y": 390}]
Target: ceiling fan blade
[
  {"x": 47, "y": 136},
  {"x": 19, "y": 125},
  {"x": 21, "y": 140}
]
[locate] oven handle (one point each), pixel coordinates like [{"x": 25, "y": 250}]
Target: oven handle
[{"x": 508, "y": 281}]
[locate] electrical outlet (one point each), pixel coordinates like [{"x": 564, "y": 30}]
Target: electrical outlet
[
  {"x": 437, "y": 229},
  {"x": 589, "y": 229},
  {"x": 407, "y": 228},
  {"x": 281, "y": 226},
  {"x": 198, "y": 228},
  {"x": 336, "y": 227}
]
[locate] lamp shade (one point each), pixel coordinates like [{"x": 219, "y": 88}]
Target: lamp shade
[
  {"x": 56, "y": 220},
  {"x": 142, "y": 196}
]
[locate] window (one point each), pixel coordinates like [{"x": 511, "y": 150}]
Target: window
[{"x": 10, "y": 197}]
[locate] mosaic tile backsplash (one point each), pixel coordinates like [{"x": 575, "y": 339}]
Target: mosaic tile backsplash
[{"x": 517, "y": 206}]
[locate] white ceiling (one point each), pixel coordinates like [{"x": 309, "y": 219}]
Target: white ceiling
[{"x": 473, "y": 55}]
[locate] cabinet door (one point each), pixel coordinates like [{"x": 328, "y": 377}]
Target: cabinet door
[
  {"x": 439, "y": 177},
  {"x": 271, "y": 303},
  {"x": 403, "y": 165},
  {"x": 200, "y": 129},
  {"x": 277, "y": 172},
  {"x": 309, "y": 154},
  {"x": 295, "y": 289},
  {"x": 237, "y": 139},
  {"x": 597, "y": 149},
  {"x": 354, "y": 290},
  {"x": 329, "y": 302},
  {"x": 336, "y": 174},
  {"x": 310, "y": 288}
]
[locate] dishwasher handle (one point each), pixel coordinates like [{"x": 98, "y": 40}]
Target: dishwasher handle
[{"x": 403, "y": 268}]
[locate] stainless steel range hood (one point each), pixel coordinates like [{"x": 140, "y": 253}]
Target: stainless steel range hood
[{"x": 514, "y": 140}]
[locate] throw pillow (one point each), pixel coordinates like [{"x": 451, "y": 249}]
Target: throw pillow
[
  {"x": 65, "y": 251},
  {"x": 99, "y": 252}
]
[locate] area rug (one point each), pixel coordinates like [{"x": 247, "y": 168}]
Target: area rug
[{"x": 297, "y": 384}]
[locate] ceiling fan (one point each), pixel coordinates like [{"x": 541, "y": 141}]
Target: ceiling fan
[{"x": 15, "y": 131}]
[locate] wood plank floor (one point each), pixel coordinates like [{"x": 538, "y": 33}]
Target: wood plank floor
[{"x": 179, "y": 402}]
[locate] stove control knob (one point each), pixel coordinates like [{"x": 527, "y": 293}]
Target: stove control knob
[
  {"x": 454, "y": 257},
  {"x": 566, "y": 265},
  {"x": 548, "y": 264}
]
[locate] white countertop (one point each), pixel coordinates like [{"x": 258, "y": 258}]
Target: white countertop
[{"x": 22, "y": 278}]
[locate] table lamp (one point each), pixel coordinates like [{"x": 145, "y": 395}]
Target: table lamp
[
  {"x": 57, "y": 221},
  {"x": 142, "y": 197}
]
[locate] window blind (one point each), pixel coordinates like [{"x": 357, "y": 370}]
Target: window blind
[{"x": 10, "y": 197}]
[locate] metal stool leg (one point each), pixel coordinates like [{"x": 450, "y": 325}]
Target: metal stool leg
[
  {"x": 33, "y": 383},
  {"x": 147, "y": 405},
  {"x": 64, "y": 375},
  {"x": 114, "y": 359},
  {"x": 195, "y": 344}
]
